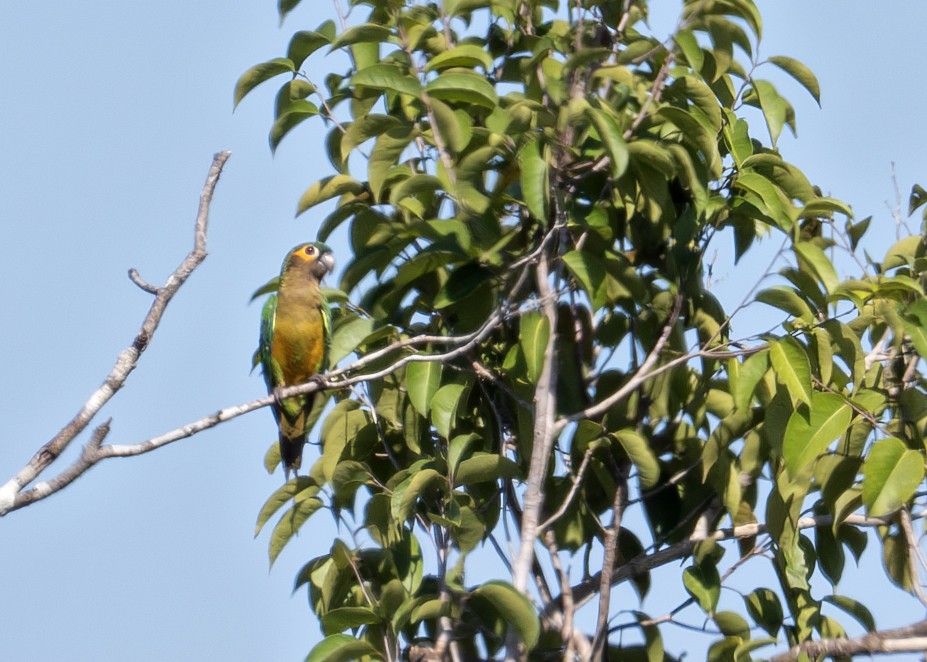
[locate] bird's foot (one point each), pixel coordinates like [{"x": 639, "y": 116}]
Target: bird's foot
[{"x": 278, "y": 399}]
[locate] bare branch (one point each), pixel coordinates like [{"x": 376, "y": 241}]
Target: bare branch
[
  {"x": 577, "y": 481},
  {"x": 911, "y": 638},
  {"x": 914, "y": 555},
  {"x": 545, "y": 402},
  {"x": 10, "y": 493},
  {"x": 142, "y": 283},
  {"x": 608, "y": 564},
  {"x": 585, "y": 590},
  {"x": 643, "y": 373}
]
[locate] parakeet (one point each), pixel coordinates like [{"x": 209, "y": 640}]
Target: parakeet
[{"x": 296, "y": 325}]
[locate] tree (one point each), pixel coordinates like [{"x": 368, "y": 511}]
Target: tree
[{"x": 532, "y": 190}]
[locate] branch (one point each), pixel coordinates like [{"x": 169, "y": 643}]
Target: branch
[
  {"x": 643, "y": 373},
  {"x": 911, "y": 638},
  {"x": 545, "y": 401},
  {"x": 914, "y": 555},
  {"x": 586, "y": 589},
  {"x": 11, "y": 496},
  {"x": 545, "y": 432},
  {"x": 609, "y": 563}
]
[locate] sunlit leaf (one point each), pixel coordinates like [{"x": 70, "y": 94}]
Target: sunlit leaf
[
  {"x": 533, "y": 337},
  {"x": 260, "y": 73},
  {"x": 387, "y": 77},
  {"x": 704, "y": 584},
  {"x": 327, "y": 188},
  {"x": 515, "y": 607},
  {"x": 793, "y": 369},
  {"x": 423, "y": 379},
  {"x": 341, "y": 648},
  {"x": 638, "y": 449},
  {"x": 799, "y": 72},
  {"x": 465, "y": 88},
  {"x": 891, "y": 474},
  {"x": 809, "y": 435}
]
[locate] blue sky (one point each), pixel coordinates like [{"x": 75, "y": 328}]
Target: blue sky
[{"x": 110, "y": 114}]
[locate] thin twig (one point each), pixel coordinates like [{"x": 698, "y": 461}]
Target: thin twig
[
  {"x": 608, "y": 564},
  {"x": 908, "y": 639},
  {"x": 11, "y": 496}
]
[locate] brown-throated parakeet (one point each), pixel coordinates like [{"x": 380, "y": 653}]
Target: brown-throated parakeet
[{"x": 296, "y": 331}]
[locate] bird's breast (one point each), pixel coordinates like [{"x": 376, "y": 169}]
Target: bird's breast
[{"x": 298, "y": 344}]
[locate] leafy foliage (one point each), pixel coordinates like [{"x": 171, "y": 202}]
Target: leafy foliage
[{"x": 530, "y": 191}]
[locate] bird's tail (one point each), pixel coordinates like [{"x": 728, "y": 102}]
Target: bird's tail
[{"x": 291, "y": 452}]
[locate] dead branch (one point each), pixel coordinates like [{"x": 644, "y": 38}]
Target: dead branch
[
  {"x": 11, "y": 496},
  {"x": 911, "y": 638}
]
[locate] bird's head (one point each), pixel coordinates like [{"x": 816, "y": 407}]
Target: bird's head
[{"x": 316, "y": 258}]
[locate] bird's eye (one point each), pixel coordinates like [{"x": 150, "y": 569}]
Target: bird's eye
[{"x": 310, "y": 250}]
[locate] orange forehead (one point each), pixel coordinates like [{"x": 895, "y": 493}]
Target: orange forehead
[{"x": 306, "y": 253}]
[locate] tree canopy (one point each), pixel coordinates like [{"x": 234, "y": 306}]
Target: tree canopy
[{"x": 542, "y": 375}]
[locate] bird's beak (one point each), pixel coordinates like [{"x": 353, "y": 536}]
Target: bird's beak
[{"x": 327, "y": 260}]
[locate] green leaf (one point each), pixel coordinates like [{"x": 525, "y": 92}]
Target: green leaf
[
  {"x": 386, "y": 151},
  {"x": 463, "y": 55},
  {"x": 786, "y": 298},
  {"x": 422, "y": 381},
  {"x": 483, "y": 467},
  {"x": 444, "y": 405},
  {"x": 855, "y": 609},
  {"x": 290, "y": 523},
  {"x": 915, "y": 325},
  {"x": 732, "y": 624},
  {"x": 383, "y": 76},
  {"x": 341, "y": 648},
  {"x": 306, "y": 42},
  {"x": 282, "y": 495},
  {"x": 799, "y": 72},
  {"x": 765, "y": 608},
  {"x": 751, "y": 373},
  {"x": 792, "y": 367},
  {"x": 454, "y": 128},
  {"x": 270, "y": 286},
  {"x": 613, "y": 140},
  {"x": 296, "y": 113},
  {"x": 820, "y": 265},
  {"x": 590, "y": 272},
  {"x": 824, "y": 206},
  {"x": 514, "y": 607},
  {"x": 918, "y": 198},
  {"x": 533, "y": 171},
  {"x": 638, "y": 449},
  {"x": 465, "y": 88},
  {"x": 284, "y": 7},
  {"x": 775, "y": 108},
  {"x": 891, "y": 474},
  {"x": 902, "y": 252},
  {"x": 362, "y": 34},
  {"x": 533, "y": 336},
  {"x": 272, "y": 457},
  {"x": 855, "y": 231},
  {"x": 344, "y": 618},
  {"x": 704, "y": 584},
  {"x": 328, "y": 188},
  {"x": 806, "y": 437},
  {"x": 769, "y": 197},
  {"x": 421, "y": 482},
  {"x": 260, "y": 73},
  {"x": 690, "y": 49},
  {"x": 364, "y": 128},
  {"x": 347, "y": 336}
]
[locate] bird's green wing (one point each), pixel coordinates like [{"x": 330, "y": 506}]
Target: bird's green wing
[
  {"x": 272, "y": 372},
  {"x": 326, "y": 332}
]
